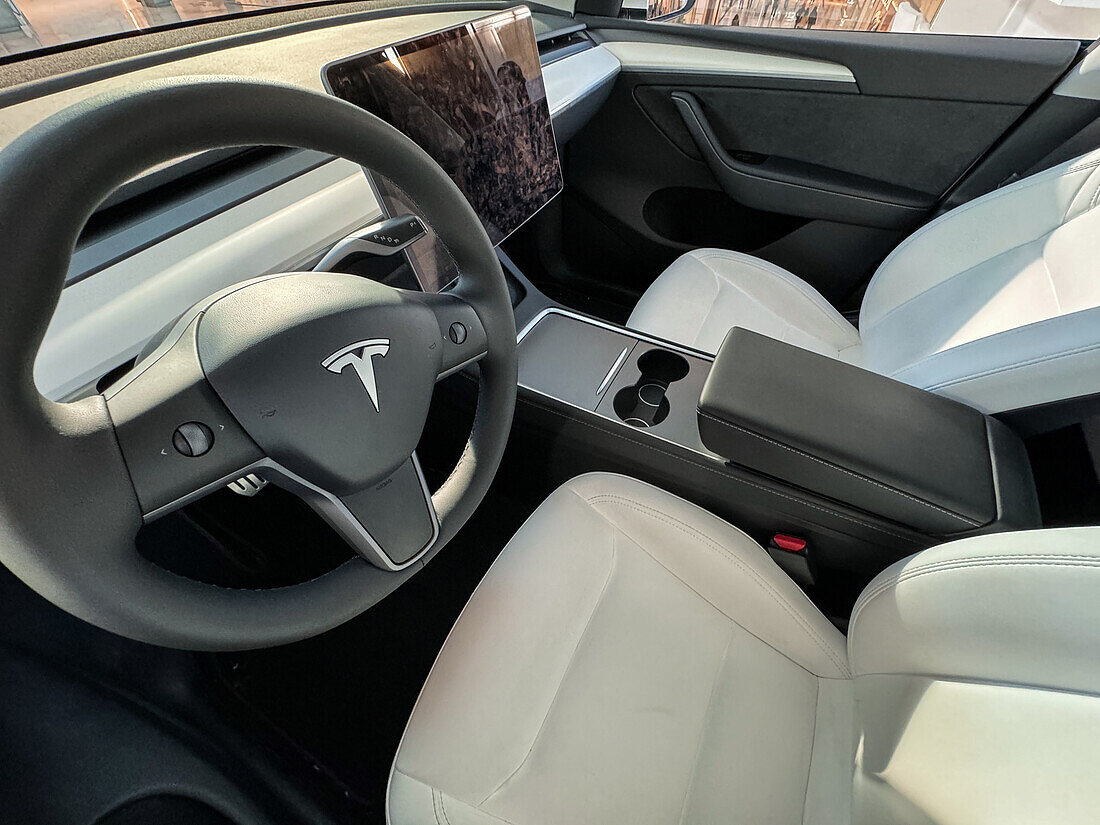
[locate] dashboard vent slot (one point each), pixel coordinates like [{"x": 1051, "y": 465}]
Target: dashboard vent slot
[{"x": 558, "y": 45}]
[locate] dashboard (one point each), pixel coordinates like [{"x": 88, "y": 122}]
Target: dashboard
[{"x": 187, "y": 231}]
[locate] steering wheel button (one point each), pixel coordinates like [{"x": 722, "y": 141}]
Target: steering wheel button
[
  {"x": 457, "y": 333},
  {"x": 193, "y": 439}
]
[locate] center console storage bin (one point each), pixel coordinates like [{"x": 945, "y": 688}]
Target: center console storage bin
[{"x": 882, "y": 446}]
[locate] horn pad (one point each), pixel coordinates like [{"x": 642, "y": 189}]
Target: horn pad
[{"x": 331, "y": 375}]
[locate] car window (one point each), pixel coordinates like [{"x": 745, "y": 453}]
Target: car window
[{"x": 1079, "y": 19}]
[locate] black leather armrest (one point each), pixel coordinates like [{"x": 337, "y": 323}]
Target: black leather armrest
[{"x": 861, "y": 438}]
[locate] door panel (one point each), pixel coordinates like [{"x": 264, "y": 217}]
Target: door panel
[
  {"x": 820, "y": 156},
  {"x": 876, "y": 137},
  {"x": 775, "y": 182}
]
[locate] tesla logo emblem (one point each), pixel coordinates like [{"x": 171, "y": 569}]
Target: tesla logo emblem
[{"x": 359, "y": 356}]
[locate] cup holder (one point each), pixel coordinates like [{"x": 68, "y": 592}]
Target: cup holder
[{"x": 645, "y": 403}]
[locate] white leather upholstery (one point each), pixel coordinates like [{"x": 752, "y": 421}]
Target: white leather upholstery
[
  {"x": 977, "y": 677},
  {"x": 995, "y": 303},
  {"x": 705, "y": 293},
  {"x": 631, "y": 658}
]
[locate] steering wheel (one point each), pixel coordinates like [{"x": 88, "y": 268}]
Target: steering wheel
[{"x": 318, "y": 382}]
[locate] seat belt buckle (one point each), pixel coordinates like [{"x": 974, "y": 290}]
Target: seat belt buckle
[{"x": 792, "y": 553}]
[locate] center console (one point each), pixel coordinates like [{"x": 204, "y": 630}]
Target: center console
[
  {"x": 622, "y": 376},
  {"x": 850, "y": 469}
]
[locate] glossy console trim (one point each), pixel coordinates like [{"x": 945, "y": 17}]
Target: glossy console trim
[
  {"x": 611, "y": 373},
  {"x": 596, "y": 322},
  {"x": 609, "y": 380}
]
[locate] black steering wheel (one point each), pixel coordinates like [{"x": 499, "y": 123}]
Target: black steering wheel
[{"x": 318, "y": 382}]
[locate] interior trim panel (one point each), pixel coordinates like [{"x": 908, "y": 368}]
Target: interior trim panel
[
  {"x": 943, "y": 67},
  {"x": 648, "y": 56},
  {"x": 102, "y": 321},
  {"x": 1083, "y": 80},
  {"x": 571, "y": 79}
]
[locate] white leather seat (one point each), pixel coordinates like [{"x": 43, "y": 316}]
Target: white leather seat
[
  {"x": 995, "y": 303},
  {"x": 633, "y": 659}
]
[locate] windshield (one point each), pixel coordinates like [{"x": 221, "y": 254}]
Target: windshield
[{"x": 28, "y": 26}]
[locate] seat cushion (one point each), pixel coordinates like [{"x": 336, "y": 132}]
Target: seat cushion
[
  {"x": 706, "y": 292},
  {"x": 631, "y": 658},
  {"x": 978, "y": 683}
]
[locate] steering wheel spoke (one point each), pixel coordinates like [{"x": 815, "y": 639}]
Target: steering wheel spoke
[
  {"x": 177, "y": 437},
  {"x": 391, "y": 523},
  {"x": 230, "y": 392},
  {"x": 461, "y": 332}
]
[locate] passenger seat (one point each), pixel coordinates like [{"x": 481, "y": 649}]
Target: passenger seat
[{"x": 995, "y": 303}]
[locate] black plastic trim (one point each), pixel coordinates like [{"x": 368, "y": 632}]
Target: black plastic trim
[{"x": 1044, "y": 418}]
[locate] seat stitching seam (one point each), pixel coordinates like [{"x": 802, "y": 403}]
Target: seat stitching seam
[
  {"x": 1000, "y": 335},
  {"x": 1080, "y": 189},
  {"x": 792, "y": 282},
  {"x": 703, "y": 727},
  {"x": 813, "y": 741},
  {"x": 687, "y": 529},
  {"x": 1082, "y": 558},
  {"x": 832, "y": 466},
  {"x": 1018, "y": 366},
  {"x": 950, "y": 278},
  {"x": 962, "y": 566},
  {"x": 895, "y": 579},
  {"x": 991, "y": 197},
  {"x": 443, "y": 809},
  {"x": 1050, "y": 279},
  {"x": 1034, "y": 560},
  {"x": 435, "y": 809},
  {"x": 573, "y": 420},
  {"x": 709, "y": 515},
  {"x": 568, "y": 666},
  {"x": 710, "y": 308},
  {"x": 726, "y": 616},
  {"x": 434, "y": 790}
]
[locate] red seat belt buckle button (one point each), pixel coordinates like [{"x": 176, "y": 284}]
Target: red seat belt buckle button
[{"x": 791, "y": 544}]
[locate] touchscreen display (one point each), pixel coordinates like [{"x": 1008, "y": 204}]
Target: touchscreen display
[{"x": 473, "y": 98}]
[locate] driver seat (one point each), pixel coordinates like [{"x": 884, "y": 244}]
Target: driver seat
[{"x": 631, "y": 658}]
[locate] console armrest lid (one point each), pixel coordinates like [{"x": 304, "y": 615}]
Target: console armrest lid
[{"x": 853, "y": 435}]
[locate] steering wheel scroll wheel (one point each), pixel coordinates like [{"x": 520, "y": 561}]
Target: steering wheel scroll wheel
[{"x": 318, "y": 382}]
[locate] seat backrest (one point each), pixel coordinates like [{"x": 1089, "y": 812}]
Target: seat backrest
[
  {"x": 977, "y": 683},
  {"x": 996, "y": 303}
]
